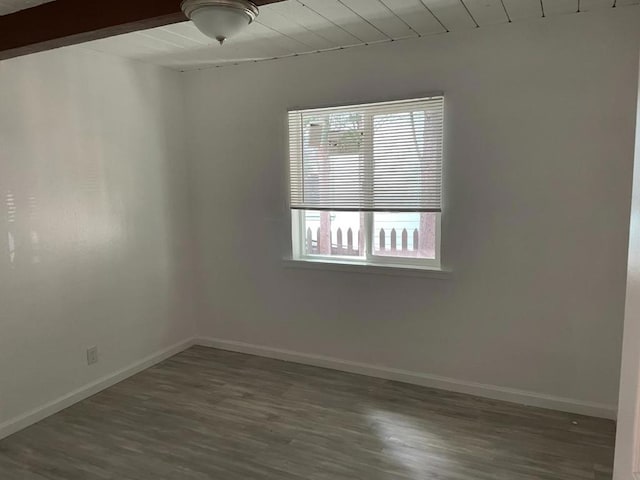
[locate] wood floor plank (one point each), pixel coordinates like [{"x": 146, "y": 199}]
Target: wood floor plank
[{"x": 211, "y": 414}]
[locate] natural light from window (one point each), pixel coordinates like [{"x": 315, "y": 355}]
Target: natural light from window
[{"x": 366, "y": 183}]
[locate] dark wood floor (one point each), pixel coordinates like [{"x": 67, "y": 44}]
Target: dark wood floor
[{"x": 209, "y": 414}]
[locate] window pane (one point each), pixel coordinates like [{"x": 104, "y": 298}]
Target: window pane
[
  {"x": 403, "y": 166},
  {"x": 332, "y": 146},
  {"x": 333, "y": 233},
  {"x": 408, "y": 235}
]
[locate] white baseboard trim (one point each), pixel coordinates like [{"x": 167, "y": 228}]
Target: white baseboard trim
[
  {"x": 434, "y": 381},
  {"x": 16, "y": 424},
  {"x": 523, "y": 397}
]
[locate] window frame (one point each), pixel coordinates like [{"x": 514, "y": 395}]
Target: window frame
[
  {"x": 298, "y": 226},
  {"x": 298, "y": 243}
]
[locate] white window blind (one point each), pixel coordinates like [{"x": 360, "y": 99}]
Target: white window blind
[{"x": 374, "y": 157}]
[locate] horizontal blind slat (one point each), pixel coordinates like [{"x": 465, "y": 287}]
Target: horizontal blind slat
[{"x": 380, "y": 156}]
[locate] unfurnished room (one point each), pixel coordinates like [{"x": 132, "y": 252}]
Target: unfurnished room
[{"x": 319, "y": 240}]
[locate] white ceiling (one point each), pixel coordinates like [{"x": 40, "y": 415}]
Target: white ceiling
[
  {"x": 297, "y": 27},
  {"x": 10, "y": 6}
]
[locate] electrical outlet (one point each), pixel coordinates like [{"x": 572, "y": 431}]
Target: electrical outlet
[{"x": 92, "y": 355}]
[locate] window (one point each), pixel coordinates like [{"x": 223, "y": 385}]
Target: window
[{"x": 366, "y": 182}]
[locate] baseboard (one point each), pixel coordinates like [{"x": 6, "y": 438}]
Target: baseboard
[
  {"x": 523, "y": 397},
  {"x": 16, "y": 424},
  {"x": 482, "y": 390}
]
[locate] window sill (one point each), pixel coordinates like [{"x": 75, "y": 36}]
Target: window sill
[{"x": 381, "y": 269}]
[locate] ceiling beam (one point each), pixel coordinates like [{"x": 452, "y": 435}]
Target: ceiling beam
[{"x": 68, "y": 22}]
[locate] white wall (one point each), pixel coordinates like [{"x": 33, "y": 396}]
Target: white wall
[
  {"x": 92, "y": 186},
  {"x": 628, "y": 433},
  {"x": 539, "y": 153}
]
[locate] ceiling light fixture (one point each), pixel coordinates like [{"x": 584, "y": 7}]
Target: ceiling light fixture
[{"x": 220, "y": 19}]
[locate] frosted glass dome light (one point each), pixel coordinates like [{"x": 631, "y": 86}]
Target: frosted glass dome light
[{"x": 220, "y": 19}]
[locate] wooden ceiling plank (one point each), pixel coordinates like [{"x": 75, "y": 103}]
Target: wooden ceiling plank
[
  {"x": 451, "y": 13},
  {"x": 132, "y": 46},
  {"x": 288, "y": 44},
  {"x": 297, "y": 12},
  {"x": 521, "y": 9},
  {"x": 416, "y": 14},
  {"x": 164, "y": 34},
  {"x": 559, "y": 7},
  {"x": 285, "y": 26},
  {"x": 347, "y": 19},
  {"x": 589, "y": 5},
  {"x": 487, "y": 12},
  {"x": 378, "y": 14}
]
